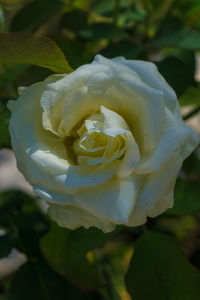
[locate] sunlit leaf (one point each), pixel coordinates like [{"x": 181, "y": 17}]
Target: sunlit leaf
[
  {"x": 160, "y": 270},
  {"x": 22, "y": 48}
]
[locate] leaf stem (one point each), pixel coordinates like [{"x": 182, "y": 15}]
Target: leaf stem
[
  {"x": 116, "y": 11},
  {"x": 191, "y": 113}
]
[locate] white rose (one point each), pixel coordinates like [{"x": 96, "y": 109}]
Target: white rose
[{"x": 102, "y": 145}]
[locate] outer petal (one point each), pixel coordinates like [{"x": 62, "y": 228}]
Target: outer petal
[
  {"x": 156, "y": 194},
  {"x": 74, "y": 217},
  {"x": 148, "y": 72},
  {"x": 113, "y": 201},
  {"x": 176, "y": 143},
  {"x": 38, "y": 152}
]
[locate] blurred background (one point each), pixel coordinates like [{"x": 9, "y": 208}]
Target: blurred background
[{"x": 121, "y": 265}]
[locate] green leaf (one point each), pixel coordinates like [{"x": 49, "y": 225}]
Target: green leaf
[
  {"x": 36, "y": 280},
  {"x": 6, "y": 245},
  {"x": 186, "y": 197},
  {"x": 22, "y": 48},
  {"x": 126, "y": 48},
  {"x": 129, "y": 17},
  {"x": 2, "y": 19},
  {"x": 160, "y": 270},
  {"x": 99, "y": 31},
  {"x": 11, "y": 73},
  {"x": 33, "y": 14},
  {"x": 81, "y": 273},
  {"x": 4, "y": 121},
  {"x": 34, "y": 74},
  {"x": 192, "y": 164},
  {"x": 191, "y": 96},
  {"x": 185, "y": 55},
  {"x": 176, "y": 73},
  {"x": 71, "y": 49},
  {"x": 69, "y": 18},
  {"x": 21, "y": 217},
  {"x": 84, "y": 240},
  {"x": 178, "y": 36},
  {"x": 104, "y": 7}
]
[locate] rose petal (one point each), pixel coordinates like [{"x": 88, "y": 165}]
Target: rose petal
[
  {"x": 57, "y": 92},
  {"x": 176, "y": 143},
  {"x": 156, "y": 194},
  {"x": 148, "y": 72},
  {"x": 77, "y": 178},
  {"x": 73, "y": 217},
  {"x": 114, "y": 200},
  {"x": 127, "y": 96},
  {"x": 38, "y": 152}
]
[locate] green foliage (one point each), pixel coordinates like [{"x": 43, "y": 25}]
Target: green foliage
[
  {"x": 89, "y": 264},
  {"x": 183, "y": 37},
  {"x": 100, "y": 31},
  {"x": 71, "y": 48},
  {"x": 6, "y": 245},
  {"x": 4, "y": 120},
  {"x": 27, "y": 49},
  {"x": 191, "y": 96},
  {"x": 124, "y": 47},
  {"x": 21, "y": 218},
  {"x": 176, "y": 73},
  {"x": 79, "y": 270},
  {"x": 186, "y": 198},
  {"x": 36, "y": 280},
  {"x": 33, "y": 14},
  {"x": 165, "y": 273},
  {"x": 2, "y": 19},
  {"x": 82, "y": 241},
  {"x": 76, "y": 14}
]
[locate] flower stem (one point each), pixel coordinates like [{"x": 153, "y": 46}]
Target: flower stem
[{"x": 191, "y": 113}]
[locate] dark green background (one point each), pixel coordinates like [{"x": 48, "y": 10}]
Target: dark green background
[{"x": 159, "y": 261}]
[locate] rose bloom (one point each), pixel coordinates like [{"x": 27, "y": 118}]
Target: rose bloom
[{"x": 102, "y": 145}]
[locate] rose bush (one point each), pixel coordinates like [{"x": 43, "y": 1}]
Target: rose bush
[{"x": 102, "y": 145}]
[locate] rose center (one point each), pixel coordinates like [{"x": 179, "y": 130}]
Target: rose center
[{"x": 90, "y": 145}]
